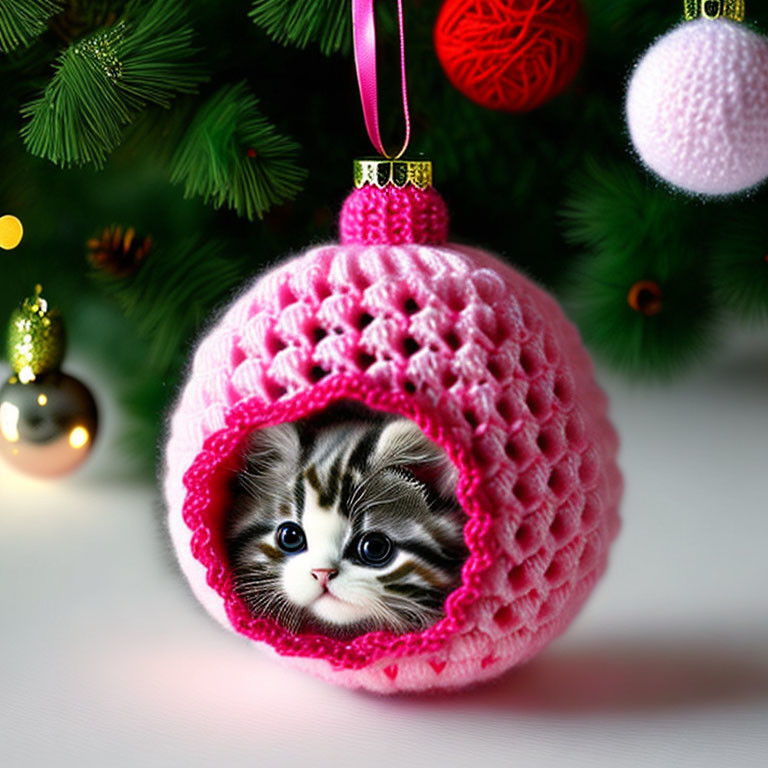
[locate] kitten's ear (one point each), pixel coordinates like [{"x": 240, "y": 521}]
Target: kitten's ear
[
  {"x": 273, "y": 449},
  {"x": 403, "y": 444}
]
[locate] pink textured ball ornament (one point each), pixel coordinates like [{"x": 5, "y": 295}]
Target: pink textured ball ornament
[
  {"x": 485, "y": 363},
  {"x": 697, "y": 103}
]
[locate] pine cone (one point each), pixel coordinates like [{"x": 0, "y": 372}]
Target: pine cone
[{"x": 116, "y": 253}]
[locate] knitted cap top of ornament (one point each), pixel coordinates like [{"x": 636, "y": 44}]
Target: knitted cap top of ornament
[
  {"x": 697, "y": 103},
  {"x": 483, "y": 362}
]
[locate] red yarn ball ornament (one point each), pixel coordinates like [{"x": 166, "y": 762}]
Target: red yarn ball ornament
[{"x": 512, "y": 55}]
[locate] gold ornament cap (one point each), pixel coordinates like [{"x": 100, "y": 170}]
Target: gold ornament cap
[
  {"x": 715, "y": 9},
  {"x": 36, "y": 338},
  {"x": 379, "y": 172}
]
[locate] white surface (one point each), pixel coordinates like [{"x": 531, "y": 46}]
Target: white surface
[{"x": 106, "y": 660}]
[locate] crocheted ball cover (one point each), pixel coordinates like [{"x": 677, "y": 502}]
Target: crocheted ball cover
[
  {"x": 487, "y": 365},
  {"x": 697, "y": 107}
]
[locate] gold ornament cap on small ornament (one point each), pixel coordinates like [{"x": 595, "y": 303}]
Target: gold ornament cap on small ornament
[
  {"x": 380, "y": 172},
  {"x": 715, "y": 9},
  {"x": 36, "y": 338}
]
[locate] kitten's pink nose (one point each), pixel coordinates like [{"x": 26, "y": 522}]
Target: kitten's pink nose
[{"x": 324, "y": 575}]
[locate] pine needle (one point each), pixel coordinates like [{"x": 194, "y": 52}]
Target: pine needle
[
  {"x": 231, "y": 155},
  {"x": 171, "y": 296},
  {"x": 301, "y": 22},
  {"x": 101, "y": 83},
  {"x": 632, "y": 233},
  {"x": 21, "y": 21}
]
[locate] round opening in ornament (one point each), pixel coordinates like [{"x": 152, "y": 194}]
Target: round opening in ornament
[
  {"x": 352, "y": 561},
  {"x": 343, "y": 523}
]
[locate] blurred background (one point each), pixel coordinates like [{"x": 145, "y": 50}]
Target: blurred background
[{"x": 157, "y": 154}]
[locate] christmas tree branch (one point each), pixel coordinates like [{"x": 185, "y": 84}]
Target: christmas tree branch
[
  {"x": 300, "y": 22},
  {"x": 641, "y": 291},
  {"x": 21, "y": 21},
  {"x": 102, "y": 81},
  {"x": 171, "y": 296},
  {"x": 231, "y": 155}
]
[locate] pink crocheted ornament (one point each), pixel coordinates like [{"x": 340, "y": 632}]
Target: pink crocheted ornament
[
  {"x": 484, "y": 362},
  {"x": 697, "y": 107}
]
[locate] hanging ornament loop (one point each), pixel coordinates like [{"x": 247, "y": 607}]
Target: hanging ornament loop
[
  {"x": 715, "y": 9},
  {"x": 364, "y": 38}
]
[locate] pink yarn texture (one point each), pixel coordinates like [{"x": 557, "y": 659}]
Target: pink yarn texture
[
  {"x": 487, "y": 365},
  {"x": 393, "y": 216},
  {"x": 697, "y": 107}
]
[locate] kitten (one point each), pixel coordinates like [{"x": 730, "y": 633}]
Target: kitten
[{"x": 346, "y": 523}]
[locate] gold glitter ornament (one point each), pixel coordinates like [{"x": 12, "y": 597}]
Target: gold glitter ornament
[
  {"x": 36, "y": 339},
  {"x": 48, "y": 419}
]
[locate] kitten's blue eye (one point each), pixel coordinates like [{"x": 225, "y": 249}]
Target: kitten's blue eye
[
  {"x": 375, "y": 549},
  {"x": 291, "y": 538}
]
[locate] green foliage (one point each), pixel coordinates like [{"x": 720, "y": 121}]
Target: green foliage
[
  {"x": 300, "y": 22},
  {"x": 21, "y": 21},
  {"x": 171, "y": 296},
  {"x": 619, "y": 19},
  {"x": 102, "y": 82},
  {"x": 165, "y": 304},
  {"x": 632, "y": 232},
  {"x": 618, "y": 208},
  {"x": 740, "y": 260},
  {"x": 231, "y": 155}
]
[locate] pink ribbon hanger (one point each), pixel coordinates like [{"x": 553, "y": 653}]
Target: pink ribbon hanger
[{"x": 364, "y": 39}]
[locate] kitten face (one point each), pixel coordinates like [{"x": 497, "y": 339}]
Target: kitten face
[{"x": 347, "y": 528}]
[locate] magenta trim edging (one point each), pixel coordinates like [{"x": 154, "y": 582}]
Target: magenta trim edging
[{"x": 223, "y": 445}]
